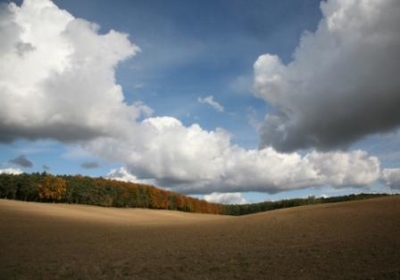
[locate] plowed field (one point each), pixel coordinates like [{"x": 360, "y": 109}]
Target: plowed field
[{"x": 352, "y": 240}]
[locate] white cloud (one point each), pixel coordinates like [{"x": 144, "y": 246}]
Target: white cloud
[
  {"x": 192, "y": 160},
  {"x": 225, "y": 198},
  {"x": 210, "y": 101},
  {"x": 63, "y": 85},
  {"x": 121, "y": 174},
  {"x": 57, "y": 81},
  {"x": 342, "y": 83},
  {"x": 391, "y": 177},
  {"x": 15, "y": 171}
]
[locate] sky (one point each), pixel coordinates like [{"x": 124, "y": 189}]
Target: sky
[{"x": 233, "y": 101}]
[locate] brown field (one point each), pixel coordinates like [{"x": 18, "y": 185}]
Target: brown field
[{"x": 353, "y": 240}]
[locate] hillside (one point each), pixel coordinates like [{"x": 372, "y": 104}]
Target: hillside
[
  {"x": 346, "y": 240},
  {"x": 43, "y": 187}
]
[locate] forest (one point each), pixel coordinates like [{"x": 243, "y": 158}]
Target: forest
[{"x": 78, "y": 189}]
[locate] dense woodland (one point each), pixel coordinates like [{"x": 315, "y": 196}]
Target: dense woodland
[{"x": 44, "y": 187}]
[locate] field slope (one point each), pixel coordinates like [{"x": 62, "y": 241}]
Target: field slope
[{"x": 350, "y": 240}]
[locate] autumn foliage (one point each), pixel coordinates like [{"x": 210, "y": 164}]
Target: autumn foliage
[
  {"x": 98, "y": 191},
  {"x": 78, "y": 189},
  {"x": 52, "y": 188}
]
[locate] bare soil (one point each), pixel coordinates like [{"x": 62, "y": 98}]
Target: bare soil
[{"x": 352, "y": 240}]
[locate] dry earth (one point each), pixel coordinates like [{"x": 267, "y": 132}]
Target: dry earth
[{"x": 353, "y": 240}]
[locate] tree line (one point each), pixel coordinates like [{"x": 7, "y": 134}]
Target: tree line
[
  {"x": 77, "y": 189},
  {"x": 246, "y": 209}
]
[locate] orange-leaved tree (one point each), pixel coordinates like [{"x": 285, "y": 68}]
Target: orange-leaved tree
[{"x": 52, "y": 188}]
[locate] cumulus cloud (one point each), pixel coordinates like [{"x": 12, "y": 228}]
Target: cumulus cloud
[
  {"x": 14, "y": 171},
  {"x": 225, "y": 198},
  {"x": 57, "y": 75},
  {"x": 210, "y": 101},
  {"x": 391, "y": 177},
  {"x": 192, "y": 160},
  {"x": 90, "y": 165},
  {"x": 57, "y": 80},
  {"x": 341, "y": 84},
  {"x": 22, "y": 161},
  {"x": 121, "y": 174}
]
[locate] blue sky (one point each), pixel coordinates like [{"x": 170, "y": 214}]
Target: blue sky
[{"x": 254, "y": 100}]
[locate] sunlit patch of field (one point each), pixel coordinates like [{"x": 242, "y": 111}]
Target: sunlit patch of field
[{"x": 352, "y": 240}]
